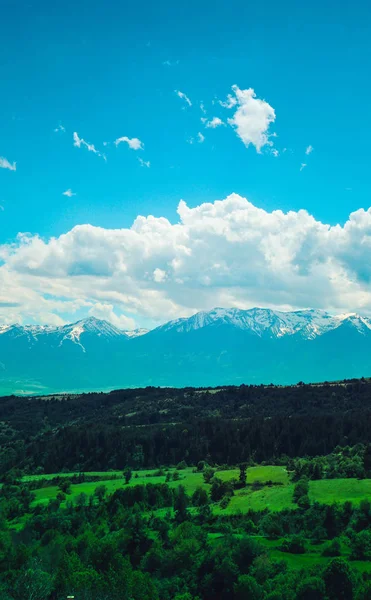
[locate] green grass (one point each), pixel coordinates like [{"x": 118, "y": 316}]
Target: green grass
[
  {"x": 102, "y": 474},
  {"x": 273, "y": 498},
  {"x": 327, "y": 491},
  {"x": 276, "y": 498},
  {"x": 188, "y": 478},
  {"x": 262, "y": 473},
  {"x": 312, "y": 558}
]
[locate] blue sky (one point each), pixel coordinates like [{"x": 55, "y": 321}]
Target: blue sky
[{"x": 108, "y": 70}]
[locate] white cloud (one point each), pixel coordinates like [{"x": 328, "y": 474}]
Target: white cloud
[
  {"x": 200, "y": 139},
  {"x": 144, "y": 163},
  {"x": 169, "y": 63},
  {"x": 69, "y": 193},
  {"x": 106, "y": 312},
  {"x": 183, "y": 97},
  {"x": 224, "y": 253},
  {"x": 275, "y": 153},
  {"x": 309, "y": 149},
  {"x": 229, "y": 103},
  {"x": 159, "y": 275},
  {"x": 60, "y": 128},
  {"x": 252, "y": 118},
  {"x": 302, "y": 166},
  {"x": 78, "y": 142},
  {"x": 5, "y": 164},
  {"x": 215, "y": 122},
  {"x": 202, "y": 108},
  {"x": 133, "y": 143}
]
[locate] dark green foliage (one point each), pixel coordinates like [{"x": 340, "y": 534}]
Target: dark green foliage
[
  {"x": 294, "y": 544},
  {"x": 128, "y": 473},
  {"x": 242, "y": 475},
  {"x": 219, "y": 489},
  {"x": 100, "y": 492},
  {"x": 153, "y": 541},
  {"x": 360, "y": 545},
  {"x": 312, "y": 588},
  {"x": 200, "y": 497},
  {"x": 181, "y": 465},
  {"x": 339, "y": 580},
  {"x": 301, "y": 489},
  {"x": 304, "y": 502},
  {"x": 65, "y": 486},
  {"x": 208, "y": 474},
  {"x": 332, "y": 549},
  {"x": 181, "y": 505},
  {"x": 84, "y": 433},
  {"x": 247, "y": 587}
]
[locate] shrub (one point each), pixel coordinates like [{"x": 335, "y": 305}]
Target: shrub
[
  {"x": 294, "y": 544},
  {"x": 332, "y": 549},
  {"x": 312, "y": 588},
  {"x": 225, "y": 501},
  {"x": 301, "y": 489}
]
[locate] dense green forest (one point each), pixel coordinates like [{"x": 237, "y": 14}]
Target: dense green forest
[{"x": 254, "y": 492}]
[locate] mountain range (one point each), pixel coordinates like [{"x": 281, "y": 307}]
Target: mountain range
[{"x": 211, "y": 348}]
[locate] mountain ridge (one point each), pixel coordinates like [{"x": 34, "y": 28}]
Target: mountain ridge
[
  {"x": 217, "y": 347},
  {"x": 310, "y": 322}
]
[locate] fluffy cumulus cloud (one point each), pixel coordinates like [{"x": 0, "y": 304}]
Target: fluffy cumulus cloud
[
  {"x": 215, "y": 122},
  {"x": 225, "y": 253},
  {"x": 106, "y": 311},
  {"x": 133, "y": 143},
  {"x": 252, "y": 117}
]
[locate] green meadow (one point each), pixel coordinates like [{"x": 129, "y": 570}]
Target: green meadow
[
  {"x": 268, "y": 488},
  {"x": 275, "y": 493}
]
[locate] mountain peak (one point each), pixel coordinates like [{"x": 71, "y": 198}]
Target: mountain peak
[
  {"x": 90, "y": 325},
  {"x": 266, "y": 322}
]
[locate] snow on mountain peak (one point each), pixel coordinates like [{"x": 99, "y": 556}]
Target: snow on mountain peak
[
  {"x": 309, "y": 323},
  {"x": 136, "y": 332},
  {"x": 91, "y": 325}
]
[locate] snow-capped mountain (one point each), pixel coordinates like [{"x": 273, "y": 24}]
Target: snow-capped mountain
[
  {"x": 136, "y": 332},
  {"x": 74, "y": 332},
  {"x": 266, "y": 322},
  {"x": 217, "y": 347}
]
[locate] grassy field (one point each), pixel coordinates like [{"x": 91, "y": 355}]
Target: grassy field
[
  {"x": 263, "y": 474},
  {"x": 271, "y": 497},
  {"x": 311, "y": 558},
  {"x": 275, "y": 495},
  {"x": 188, "y": 478},
  {"x": 328, "y": 491}
]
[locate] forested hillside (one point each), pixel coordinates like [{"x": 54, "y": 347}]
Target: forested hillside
[
  {"x": 154, "y": 426},
  {"x": 248, "y": 493}
]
